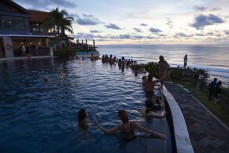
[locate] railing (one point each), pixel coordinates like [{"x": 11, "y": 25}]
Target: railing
[
  {"x": 83, "y": 53},
  {"x": 16, "y": 32},
  {"x": 41, "y": 51}
]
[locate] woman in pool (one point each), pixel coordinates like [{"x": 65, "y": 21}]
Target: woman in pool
[
  {"x": 147, "y": 110},
  {"x": 82, "y": 119},
  {"x": 127, "y": 127}
]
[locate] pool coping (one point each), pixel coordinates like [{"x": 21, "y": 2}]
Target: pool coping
[{"x": 182, "y": 140}]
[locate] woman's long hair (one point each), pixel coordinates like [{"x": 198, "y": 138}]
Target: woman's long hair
[{"x": 123, "y": 116}]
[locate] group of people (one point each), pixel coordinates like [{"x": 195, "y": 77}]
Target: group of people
[
  {"x": 126, "y": 128},
  {"x": 199, "y": 78},
  {"x": 26, "y": 50},
  {"x": 153, "y": 104},
  {"x": 122, "y": 62},
  {"x": 214, "y": 89}
]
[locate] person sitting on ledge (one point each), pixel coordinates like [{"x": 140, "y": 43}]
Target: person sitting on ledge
[
  {"x": 147, "y": 110},
  {"x": 127, "y": 127}
]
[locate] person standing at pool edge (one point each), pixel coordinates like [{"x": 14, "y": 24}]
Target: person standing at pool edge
[
  {"x": 185, "y": 60},
  {"x": 163, "y": 67},
  {"x": 127, "y": 127}
]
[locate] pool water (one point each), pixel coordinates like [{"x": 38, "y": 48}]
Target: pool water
[{"x": 38, "y": 116}]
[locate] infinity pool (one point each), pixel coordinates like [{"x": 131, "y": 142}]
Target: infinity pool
[{"x": 41, "y": 117}]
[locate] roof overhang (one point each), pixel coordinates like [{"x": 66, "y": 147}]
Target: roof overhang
[{"x": 27, "y": 36}]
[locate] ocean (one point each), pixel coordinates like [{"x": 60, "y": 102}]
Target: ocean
[{"x": 214, "y": 59}]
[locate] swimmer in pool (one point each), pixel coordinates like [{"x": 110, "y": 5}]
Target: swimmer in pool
[
  {"x": 82, "y": 119},
  {"x": 127, "y": 127},
  {"x": 45, "y": 79}
]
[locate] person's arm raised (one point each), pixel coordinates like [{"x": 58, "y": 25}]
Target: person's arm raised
[
  {"x": 112, "y": 130},
  {"x": 140, "y": 127}
]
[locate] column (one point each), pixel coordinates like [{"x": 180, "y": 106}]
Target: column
[{"x": 8, "y": 46}]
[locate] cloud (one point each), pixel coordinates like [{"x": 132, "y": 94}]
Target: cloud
[
  {"x": 87, "y": 20},
  {"x": 226, "y": 32},
  {"x": 216, "y": 9},
  {"x": 94, "y": 31},
  {"x": 154, "y": 30},
  {"x": 143, "y": 24},
  {"x": 109, "y": 37},
  {"x": 139, "y": 37},
  {"x": 150, "y": 37},
  {"x": 137, "y": 29},
  {"x": 181, "y": 34},
  {"x": 210, "y": 34},
  {"x": 199, "y": 34},
  {"x": 113, "y": 26},
  {"x": 202, "y": 8},
  {"x": 84, "y": 35},
  {"x": 199, "y": 8},
  {"x": 46, "y": 3},
  {"x": 124, "y": 36},
  {"x": 204, "y": 20},
  {"x": 161, "y": 35},
  {"x": 169, "y": 23}
]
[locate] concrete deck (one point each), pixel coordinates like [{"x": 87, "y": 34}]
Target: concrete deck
[{"x": 206, "y": 133}]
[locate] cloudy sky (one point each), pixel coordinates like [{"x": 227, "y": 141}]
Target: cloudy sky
[{"x": 144, "y": 22}]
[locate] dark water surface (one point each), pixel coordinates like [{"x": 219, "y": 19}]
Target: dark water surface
[{"x": 38, "y": 116}]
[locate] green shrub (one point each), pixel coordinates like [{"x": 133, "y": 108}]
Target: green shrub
[
  {"x": 152, "y": 68},
  {"x": 65, "y": 52}
]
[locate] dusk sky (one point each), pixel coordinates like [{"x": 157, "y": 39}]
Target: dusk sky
[{"x": 144, "y": 22}]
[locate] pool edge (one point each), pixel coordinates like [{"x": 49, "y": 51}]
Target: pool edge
[{"x": 182, "y": 140}]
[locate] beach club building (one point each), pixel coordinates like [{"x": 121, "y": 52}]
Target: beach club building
[{"x": 21, "y": 27}]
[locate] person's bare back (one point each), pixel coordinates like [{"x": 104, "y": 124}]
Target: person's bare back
[{"x": 149, "y": 84}]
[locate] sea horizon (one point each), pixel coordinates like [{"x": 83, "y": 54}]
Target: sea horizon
[
  {"x": 212, "y": 58},
  {"x": 142, "y": 44}
]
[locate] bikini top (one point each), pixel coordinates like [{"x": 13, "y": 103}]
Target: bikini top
[{"x": 127, "y": 134}]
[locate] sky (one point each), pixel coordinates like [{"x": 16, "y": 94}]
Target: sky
[{"x": 144, "y": 22}]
